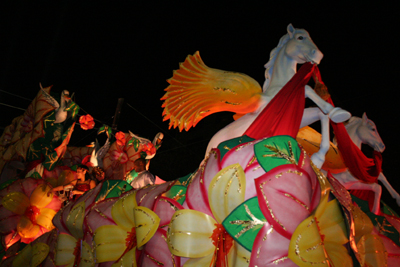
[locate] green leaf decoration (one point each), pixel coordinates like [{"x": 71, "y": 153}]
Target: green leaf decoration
[
  {"x": 7, "y": 183},
  {"x": 387, "y": 210},
  {"x": 113, "y": 188},
  {"x": 73, "y": 108},
  {"x": 36, "y": 175},
  {"x": 102, "y": 129},
  {"x": 143, "y": 155},
  {"x": 276, "y": 151},
  {"x": 136, "y": 144},
  {"x": 130, "y": 142},
  {"x": 380, "y": 222},
  {"x": 244, "y": 223},
  {"x": 131, "y": 176},
  {"x": 227, "y": 145},
  {"x": 177, "y": 193},
  {"x": 185, "y": 180}
]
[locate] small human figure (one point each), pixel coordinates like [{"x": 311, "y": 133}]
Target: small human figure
[
  {"x": 144, "y": 177},
  {"x": 80, "y": 185}
]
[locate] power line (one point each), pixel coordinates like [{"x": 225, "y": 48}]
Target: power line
[
  {"x": 15, "y": 95},
  {"x": 176, "y": 140},
  {"x": 12, "y": 106}
]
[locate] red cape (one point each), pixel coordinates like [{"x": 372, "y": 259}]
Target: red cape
[{"x": 282, "y": 116}]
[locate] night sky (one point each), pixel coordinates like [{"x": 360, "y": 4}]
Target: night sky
[{"x": 105, "y": 50}]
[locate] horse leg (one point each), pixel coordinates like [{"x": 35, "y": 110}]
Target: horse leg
[
  {"x": 391, "y": 190},
  {"x": 318, "y": 158},
  {"x": 336, "y": 114},
  {"x": 376, "y": 188}
]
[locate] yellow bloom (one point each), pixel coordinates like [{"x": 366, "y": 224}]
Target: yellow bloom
[
  {"x": 135, "y": 226},
  {"x": 319, "y": 239},
  {"x": 32, "y": 210},
  {"x": 72, "y": 250},
  {"x": 198, "y": 236}
]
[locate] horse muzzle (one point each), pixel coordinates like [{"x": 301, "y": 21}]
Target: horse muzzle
[{"x": 315, "y": 56}]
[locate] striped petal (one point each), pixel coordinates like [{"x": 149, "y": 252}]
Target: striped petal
[
  {"x": 110, "y": 242},
  {"x": 226, "y": 191},
  {"x": 41, "y": 196},
  {"x": 189, "y": 234},
  {"x": 122, "y": 212},
  {"x": 16, "y": 202},
  {"x": 26, "y": 228},
  {"x": 45, "y": 218},
  {"x": 146, "y": 222}
]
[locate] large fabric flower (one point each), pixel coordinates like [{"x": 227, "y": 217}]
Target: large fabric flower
[
  {"x": 86, "y": 122},
  {"x": 120, "y": 158},
  {"x": 134, "y": 226},
  {"x": 31, "y": 210},
  {"x": 201, "y": 237},
  {"x": 71, "y": 250}
]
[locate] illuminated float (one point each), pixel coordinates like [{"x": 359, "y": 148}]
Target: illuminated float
[{"x": 257, "y": 199}]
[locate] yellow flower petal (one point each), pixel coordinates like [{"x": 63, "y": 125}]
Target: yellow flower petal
[
  {"x": 226, "y": 191},
  {"x": 110, "y": 242},
  {"x": 24, "y": 257},
  {"x": 26, "y": 228},
  {"x": 372, "y": 251},
  {"x": 31, "y": 255},
  {"x": 74, "y": 220},
  {"x": 41, "y": 196},
  {"x": 45, "y": 218},
  {"x": 242, "y": 256},
  {"x": 16, "y": 202},
  {"x": 146, "y": 222},
  {"x": 128, "y": 260},
  {"x": 39, "y": 253},
  {"x": 189, "y": 234},
  {"x": 87, "y": 259},
  {"x": 199, "y": 262},
  {"x": 362, "y": 223},
  {"x": 65, "y": 249},
  {"x": 319, "y": 239},
  {"x": 122, "y": 212}
]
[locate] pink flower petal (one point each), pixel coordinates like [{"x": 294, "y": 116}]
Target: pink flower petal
[
  {"x": 270, "y": 249},
  {"x": 285, "y": 196}
]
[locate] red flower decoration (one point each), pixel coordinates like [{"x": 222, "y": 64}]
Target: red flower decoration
[
  {"x": 149, "y": 148},
  {"x": 86, "y": 122},
  {"x": 120, "y": 136}
]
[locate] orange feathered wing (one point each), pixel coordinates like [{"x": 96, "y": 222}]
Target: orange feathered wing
[{"x": 196, "y": 91}]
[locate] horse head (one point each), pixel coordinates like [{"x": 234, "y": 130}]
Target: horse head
[
  {"x": 369, "y": 135},
  {"x": 300, "y": 47},
  {"x": 295, "y": 47}
]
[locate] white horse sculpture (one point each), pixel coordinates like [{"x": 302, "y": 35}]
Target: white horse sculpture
[
  {"x": 296, "y": 47},
  {"x": 363, "y": 131}
]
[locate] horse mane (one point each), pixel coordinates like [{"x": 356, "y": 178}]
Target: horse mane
[{"x": 269, "y": 66}]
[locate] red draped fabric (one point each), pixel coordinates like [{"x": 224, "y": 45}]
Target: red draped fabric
[
  {"x": 282, "y": 116},
  {"x": 360, "y": 166}
]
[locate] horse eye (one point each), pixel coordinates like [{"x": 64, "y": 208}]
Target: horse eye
[{"x": 300, "y": 38}]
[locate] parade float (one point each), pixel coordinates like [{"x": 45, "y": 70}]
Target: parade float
[{"x": 270, "y": 191}]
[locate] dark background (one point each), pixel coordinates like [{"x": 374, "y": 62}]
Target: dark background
[{"x": 105, "y": 50}]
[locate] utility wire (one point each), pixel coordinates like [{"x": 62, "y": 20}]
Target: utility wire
[
  {"x": 182, "y": 145},
  {"x": 12, "y": 106},
  {"x": 15, "y": 95}
]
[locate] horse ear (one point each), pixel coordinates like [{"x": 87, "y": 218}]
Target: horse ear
[
  {"x": 364, "y": 118},
  {"x": 290, "y": 30}
]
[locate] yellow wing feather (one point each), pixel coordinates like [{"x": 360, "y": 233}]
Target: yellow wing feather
[{"x": 196, "y": 91}]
